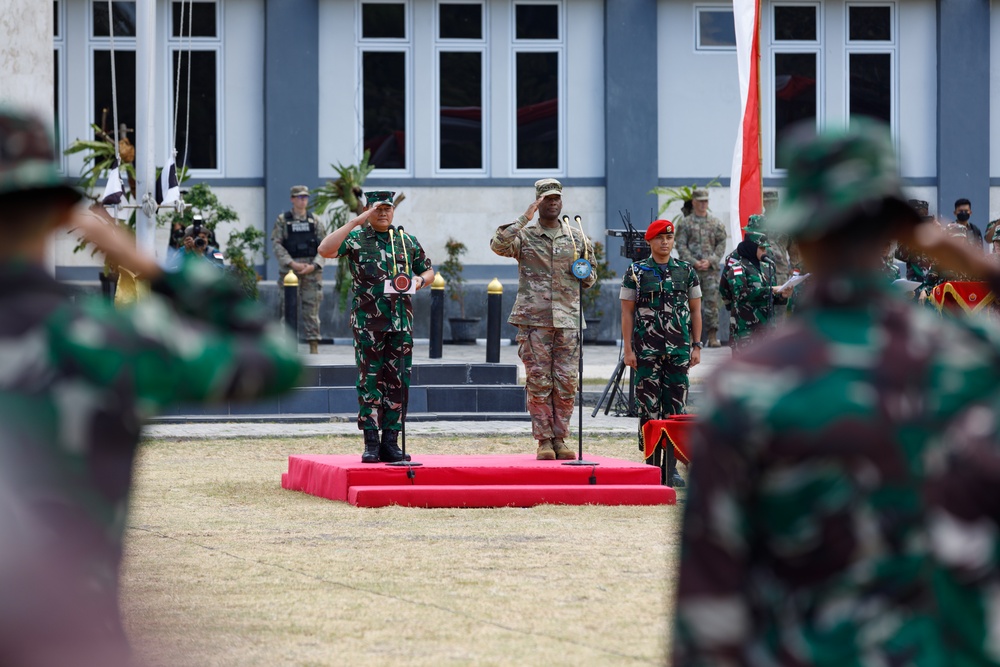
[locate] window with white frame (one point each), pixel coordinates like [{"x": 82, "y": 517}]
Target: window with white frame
[
  {"x": 58, "y": 68},
  {"x": 194, "y": 42},
  {"x": 538, "y": 62},
  {"x": 461, "y": 86},
  {"x": 795, "y": 69},
  {"x": 714, "y": 29},
  {"x": 871, "y": 52},
  {"x": 385, "y": 50},
  {"x": 112, "y": 88}
]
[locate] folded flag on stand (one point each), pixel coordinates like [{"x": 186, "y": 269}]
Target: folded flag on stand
[{"x": 114, "y": 192}]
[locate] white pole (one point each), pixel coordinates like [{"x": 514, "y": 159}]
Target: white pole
[{"x": 145, "y": 115}]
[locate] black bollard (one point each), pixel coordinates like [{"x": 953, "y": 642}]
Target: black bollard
[
  {"x": 437, "y": 317},
  {"x": 291, "y": 283},
  {"x": 494, "y": 306}
]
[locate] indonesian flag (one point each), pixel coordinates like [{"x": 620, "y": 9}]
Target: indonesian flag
[
  {"x": 168, "y": 190},
  {"x": 745, "y": 187}
]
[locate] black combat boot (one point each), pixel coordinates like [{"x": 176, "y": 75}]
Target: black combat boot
[
  {"x": 371, "y": 447},
  {"x": 388, "y": 451}
]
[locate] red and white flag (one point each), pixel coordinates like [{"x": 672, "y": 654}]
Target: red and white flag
[{"x": 745, "y": 186}]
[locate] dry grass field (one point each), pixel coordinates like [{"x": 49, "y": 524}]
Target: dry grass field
[{"x": 224, "y": 567}]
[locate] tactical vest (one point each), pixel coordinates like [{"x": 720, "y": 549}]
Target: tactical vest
[
  {"x": 301, "y": 240},
  {"x": 659, "y": 290}
]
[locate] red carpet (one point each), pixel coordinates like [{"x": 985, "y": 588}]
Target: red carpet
[{"x": 476, "y": 481}]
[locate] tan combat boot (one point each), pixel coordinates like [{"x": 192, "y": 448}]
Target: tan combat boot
[
  {"x": 563, "y": 453},
  {"x": 545, "y": 451},
  {"x": 713, "y": 338},
  {"x": 314, "y": 347}
]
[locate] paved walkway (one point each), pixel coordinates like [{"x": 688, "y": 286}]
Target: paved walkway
[{"x": 599, "y": 362}]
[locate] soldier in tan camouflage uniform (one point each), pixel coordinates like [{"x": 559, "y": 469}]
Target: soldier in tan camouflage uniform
[
  {"x": 295, "y": 239},
  {"x": 546, "y": 313},
  {"x": 779, "y": 250},
  {"x": 701, "y": 241}
]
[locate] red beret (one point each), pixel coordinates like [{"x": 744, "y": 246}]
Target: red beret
[{"x": 658, "y": 227}]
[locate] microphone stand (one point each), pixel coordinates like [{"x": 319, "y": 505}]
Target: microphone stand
[
  {"x": 580, "y": 274},
  {"x": 406, "y": 402}
]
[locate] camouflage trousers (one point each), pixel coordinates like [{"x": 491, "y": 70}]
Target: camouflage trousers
[
  {"x": 384, "y": 359},
  {"x": 661, "y": 387},
  {"x": 709, "y": 298},
  {"x": 551, "y": 363},
  {"x": 310, "y": 296}
]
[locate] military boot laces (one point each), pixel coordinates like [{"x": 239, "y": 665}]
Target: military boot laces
[
  {"x": 370, "y": 454},
  {"x": 388, "y": 451},
  {"x": 563, "y": 453}
]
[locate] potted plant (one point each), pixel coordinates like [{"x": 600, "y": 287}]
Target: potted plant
[
  {"x": 592, "y": 311},
  {"x": 463, "y": 329},
  {"x": 681, "y": 194}
]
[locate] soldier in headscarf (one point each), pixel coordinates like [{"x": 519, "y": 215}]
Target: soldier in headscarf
[{"x": 806, "y": 533}]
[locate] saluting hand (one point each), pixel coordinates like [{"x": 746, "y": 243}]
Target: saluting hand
[{"x": 530, "y": 213}]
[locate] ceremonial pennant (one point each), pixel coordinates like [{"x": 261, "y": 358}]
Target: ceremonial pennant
[
  {"x": 746, "y": 185},
  {"x": 168, "y": 190}
]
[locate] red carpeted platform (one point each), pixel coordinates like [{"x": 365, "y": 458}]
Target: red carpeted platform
[{"x": 476, "y": 481}]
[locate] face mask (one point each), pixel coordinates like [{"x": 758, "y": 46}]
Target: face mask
[{"x": 963, "y": 216}]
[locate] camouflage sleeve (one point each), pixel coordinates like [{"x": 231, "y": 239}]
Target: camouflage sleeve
[
  {"x": 319, "y": 260},
  {"x": 725, "y": 290},
  {"x": 714, "y": 620},
  {"x": 682, "y": 242},
  {"x": 277, "y": 238},
  {"x": 745, "y": 290},
  {"x": 420, "y": 261},
  {"x": 506, "y": 240},
  {"x": 719, "y": 248},
  {"x": 630, "y": 285},
  {"x": 694, "y": 284},
  {"x": 195, "y": 338}
]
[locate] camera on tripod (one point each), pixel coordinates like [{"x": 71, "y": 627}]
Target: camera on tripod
[{"x": 634, "y": 244}]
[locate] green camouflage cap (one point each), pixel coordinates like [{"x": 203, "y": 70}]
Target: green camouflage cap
[
  {"x": 996, "y": 232},
  {"x": 756, "y": 222},
  {"x": 380, "y": 197},
  {"x": 757, "y": 236},
  {"x": 835, "y": 175},
  {"x": 27, "y": 160}
]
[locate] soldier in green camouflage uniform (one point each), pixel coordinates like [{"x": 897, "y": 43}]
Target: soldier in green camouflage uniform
[
  {"x": 546, "y": 313},
  {"x": 381, "y": 317},
  {"x": 295, "y": 239},
  {"x": 661, "y": 334},
  {"x": 747, "y": 288},
  {"x": 701, "y": 241},
  {"x": 77, "y": 380},
  {"x": 806, "y": 538}
]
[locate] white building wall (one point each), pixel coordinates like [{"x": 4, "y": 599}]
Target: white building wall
[
  {"x": 243, "y": 86},
  {"x": 26, "y": 71}
]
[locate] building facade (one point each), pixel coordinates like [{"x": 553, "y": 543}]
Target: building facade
[{"x": 463, "y": 104}]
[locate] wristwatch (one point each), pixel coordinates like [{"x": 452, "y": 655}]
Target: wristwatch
[{"x": 698, "y": 344}]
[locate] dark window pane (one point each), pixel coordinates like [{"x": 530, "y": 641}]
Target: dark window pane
[
  {"x": 55, "y": 18},
  {"x": 384, "y": 21},
  {"x": 461, "y": 21},
  {"x": 461, "y": 110},
  {"x": 537, "y": 110},
  {"x": 537, "y": 22},
  {"x": 384, "y": 101},
  {"x": 199, "y": 18},
  {"x": 55, "y": 99},
  {"x": 870, "y": 24},
  {"x": 871, "y": 85},
  {"x": 202, "y": 145},
  {"x": 794, "y": 93},
  {"x": 795, "y": 24},
  {"x": 125, "y": 77},
  {"x": 716, "y": 28},
  {"x": 124, "y": 17}
]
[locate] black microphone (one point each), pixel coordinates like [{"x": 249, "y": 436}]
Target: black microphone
[
  {"x": 578, "y": 219},
  {"x": 565, "y": 219}
]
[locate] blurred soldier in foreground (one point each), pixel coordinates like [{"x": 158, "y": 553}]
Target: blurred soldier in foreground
[
  {"x": 747, "y": 288},
  {"x": 661, "y": 333},
  {"x": 701, "y": 242},
  {"x": 806, "y": 537},
  {"x": 380, "y": 255},
  {"x": 77, "y": 380},
  {"x": 546, "y": 313}
]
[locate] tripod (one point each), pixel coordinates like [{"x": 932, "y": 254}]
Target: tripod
[{"x": 623, "y": 407}]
